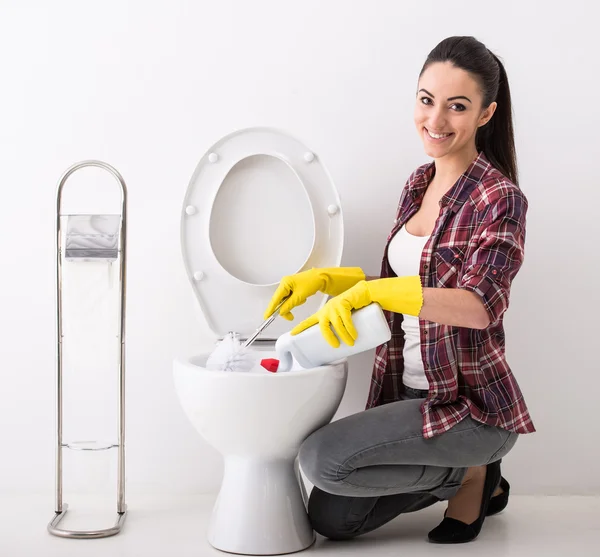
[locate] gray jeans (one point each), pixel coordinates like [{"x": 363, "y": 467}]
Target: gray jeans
[{"x": 372, "y": 466}]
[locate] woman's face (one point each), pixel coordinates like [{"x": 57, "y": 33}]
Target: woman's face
[{"x": 449, "y": 111}]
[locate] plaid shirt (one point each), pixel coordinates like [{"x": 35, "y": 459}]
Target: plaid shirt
[{"x": 477, "y": 244}]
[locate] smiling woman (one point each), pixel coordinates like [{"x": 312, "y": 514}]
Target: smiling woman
[{"x": 456, "y": 245}]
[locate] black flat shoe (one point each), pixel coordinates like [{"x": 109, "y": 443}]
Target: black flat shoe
[
  {"x": 499, "y": 502},
  {"x": 451, "y": 530}
]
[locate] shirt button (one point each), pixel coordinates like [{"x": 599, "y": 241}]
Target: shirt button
[{"x": 395, "y": 221}]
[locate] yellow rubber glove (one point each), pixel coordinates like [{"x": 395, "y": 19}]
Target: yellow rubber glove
[
  {"x": 397, "y": 294},
  {"x": 330, "y": 280}
]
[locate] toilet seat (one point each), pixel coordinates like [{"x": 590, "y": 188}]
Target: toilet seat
[{"x": 234, "y": 243}]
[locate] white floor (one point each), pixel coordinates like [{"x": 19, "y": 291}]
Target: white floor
[{"x": 530, "y": 526}]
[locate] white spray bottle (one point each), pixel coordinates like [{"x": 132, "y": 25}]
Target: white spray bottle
[{"x": 312, "y": 350}]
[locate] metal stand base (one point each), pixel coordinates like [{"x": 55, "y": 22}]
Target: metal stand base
[{"x": 84, "y": 534}]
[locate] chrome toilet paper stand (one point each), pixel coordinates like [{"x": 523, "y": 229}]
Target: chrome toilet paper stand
[{"x": 112, "y": 247}]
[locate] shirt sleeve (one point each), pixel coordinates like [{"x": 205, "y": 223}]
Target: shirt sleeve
[{"x": 497, "y": 255}]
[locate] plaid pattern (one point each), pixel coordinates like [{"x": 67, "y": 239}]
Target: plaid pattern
[{"x": 478, "y": 245}]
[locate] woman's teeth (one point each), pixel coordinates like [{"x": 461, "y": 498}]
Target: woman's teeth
[{"x": 438, "y": 135}]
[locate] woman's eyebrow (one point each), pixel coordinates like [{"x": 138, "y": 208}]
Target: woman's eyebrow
[
  {"x": 460, "y": 97},
  {"x": 449, "y": 99}
]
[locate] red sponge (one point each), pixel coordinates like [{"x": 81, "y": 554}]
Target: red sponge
[{"x": 270, "y": 364}]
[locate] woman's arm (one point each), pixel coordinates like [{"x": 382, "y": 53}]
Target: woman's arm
[{"x": 454, "y": 306}]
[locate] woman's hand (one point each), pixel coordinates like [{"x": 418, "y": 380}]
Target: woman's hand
[
  {"x": 337, "y": 313},
  {"x": 398, "y": 294},
  {"x": 300, "y": 286}
]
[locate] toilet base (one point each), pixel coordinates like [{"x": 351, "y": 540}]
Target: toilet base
[{"x": 260, "y": 509}]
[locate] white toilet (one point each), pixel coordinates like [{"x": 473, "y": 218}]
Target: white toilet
[{"x": 260, "y": 206}]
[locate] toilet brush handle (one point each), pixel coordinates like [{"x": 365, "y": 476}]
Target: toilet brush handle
[{"x": 264, "y": 325}]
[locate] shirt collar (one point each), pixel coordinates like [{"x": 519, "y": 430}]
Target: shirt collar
[{"x": 461, "y": 189}]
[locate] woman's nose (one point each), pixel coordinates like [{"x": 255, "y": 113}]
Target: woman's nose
[{"x": 437, "y": 120}]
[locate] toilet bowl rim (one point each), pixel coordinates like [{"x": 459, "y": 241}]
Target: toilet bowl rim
[{"x": 187, "y": 363}]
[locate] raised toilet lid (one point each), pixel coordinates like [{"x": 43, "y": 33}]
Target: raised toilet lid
[{"x": 260, "y": 205}]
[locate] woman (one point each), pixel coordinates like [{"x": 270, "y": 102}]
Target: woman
[{"x": 444, "y": 406}]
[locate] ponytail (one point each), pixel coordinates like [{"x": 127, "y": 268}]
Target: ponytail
[{"x": 496, "y": 139}]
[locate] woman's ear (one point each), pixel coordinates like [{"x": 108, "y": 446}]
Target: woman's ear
[{"x": 487, "y": 114}]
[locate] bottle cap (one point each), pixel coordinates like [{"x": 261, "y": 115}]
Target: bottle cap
[{"x": 270, "y": 364}]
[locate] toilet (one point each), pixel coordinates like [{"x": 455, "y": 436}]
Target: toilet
[{"x": 260, "y": 205}]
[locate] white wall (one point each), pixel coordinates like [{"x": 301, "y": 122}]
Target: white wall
[{"x": 149, "y": 86}]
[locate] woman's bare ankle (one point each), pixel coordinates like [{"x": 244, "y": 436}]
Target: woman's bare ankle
[{"x": 466, "y": 504}]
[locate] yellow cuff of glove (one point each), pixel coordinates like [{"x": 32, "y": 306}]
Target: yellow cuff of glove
[{"x": 398, "y": 294}]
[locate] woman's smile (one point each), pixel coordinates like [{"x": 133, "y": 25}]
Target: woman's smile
[{"x": 434, "y": 137}]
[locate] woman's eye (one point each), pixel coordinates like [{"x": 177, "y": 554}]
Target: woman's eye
[
  {"x": 424, "y": 99},
  {"x": 459, "y": 107}
]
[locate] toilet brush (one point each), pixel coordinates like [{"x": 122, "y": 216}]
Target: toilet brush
[{"x": 231, "y": 355}]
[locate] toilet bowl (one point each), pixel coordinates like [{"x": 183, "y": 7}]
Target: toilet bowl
[
  {"x": 258, "y": 421},
  {"x": 260, "y": 206}
]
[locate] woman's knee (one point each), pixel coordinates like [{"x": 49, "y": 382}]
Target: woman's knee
[{"x": 319, "y": 463}]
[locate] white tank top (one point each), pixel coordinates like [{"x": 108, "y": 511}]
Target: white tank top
[{"x": 404, "y": 256}]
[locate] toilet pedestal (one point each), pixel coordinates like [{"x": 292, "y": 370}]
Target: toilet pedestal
[{"x": 260, "y": 509}]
